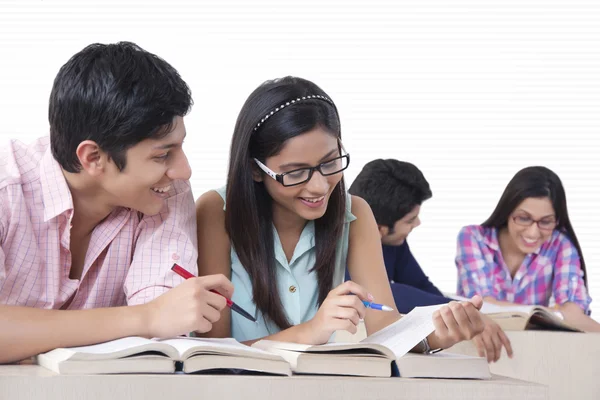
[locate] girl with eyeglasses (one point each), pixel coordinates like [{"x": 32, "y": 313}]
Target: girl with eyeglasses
[
  {"x": 283, "y": 229},
  {"x": 526, "y": 252}
]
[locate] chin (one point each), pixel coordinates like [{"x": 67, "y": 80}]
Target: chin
[
  {"x": 529, "y": 250},
  {"x": 311, "y": 216},
  {"x": 149, "y": 208}
]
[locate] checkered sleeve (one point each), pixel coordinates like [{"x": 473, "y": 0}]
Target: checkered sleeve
[
  {"x": 474, "y": 275},
  {"x": 161, "y": 240},
  {"x": 568, "y": 284},
  {"x": 3, "y": 229}
]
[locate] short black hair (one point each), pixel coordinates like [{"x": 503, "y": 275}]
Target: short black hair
[
  {"x": 116, "y": 95},
  {"x": 392, "y": 188}
]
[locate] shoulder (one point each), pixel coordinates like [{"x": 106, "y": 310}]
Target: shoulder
[
  {"x": 210, "y": 210},
  {"x": 214, "y": 246},
  {"x": 475, "y": 232},
  {"x": 362, "y": 221},
  {"x": 559, "y": 241},
  {"x": 19, "y": 170},
  {"x": 210, "y": 201},
  {"x": 359, "y": 207},
  {"x": 19, "y": 162}
]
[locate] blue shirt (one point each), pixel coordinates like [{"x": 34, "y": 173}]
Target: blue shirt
[
  {"x": 297, "y": 285},
  {"x": 410, "y": 286}
]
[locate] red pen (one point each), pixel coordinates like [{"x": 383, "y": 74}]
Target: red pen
[{"x": 185, "y": 274}]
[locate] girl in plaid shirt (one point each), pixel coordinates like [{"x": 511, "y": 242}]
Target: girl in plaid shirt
[{"x": 526, "y": 252}]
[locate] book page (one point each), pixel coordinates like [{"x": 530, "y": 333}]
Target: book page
[
  {"x": 406, "y": 333},
  {"x": 361, "y": 347},
  {"x": 114, "y": 346},
  {"x": 108, "y": 350},
  {"x": 489, "y": 308},
  {"x": 188, "y": 346}
]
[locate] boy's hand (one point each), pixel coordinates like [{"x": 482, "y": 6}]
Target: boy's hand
[{"x": 191, "y": 306}]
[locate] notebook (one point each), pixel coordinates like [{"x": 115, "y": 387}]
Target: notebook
[{"x": 140, "y": 355}]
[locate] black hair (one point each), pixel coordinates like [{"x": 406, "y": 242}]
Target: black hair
[
  {"x": 116, "y": 95},
  {"x": 536, "y": 182},
  {"x": 249, "y": 213},
  {"x": 392, "y": 188}
]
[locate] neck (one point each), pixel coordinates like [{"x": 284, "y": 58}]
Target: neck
[
  {"x": 507, "y": 247},
  {"x": 89, "y": 203},
  {"x": 513, "y": 257},
  {"x": 287, "y": 222}
]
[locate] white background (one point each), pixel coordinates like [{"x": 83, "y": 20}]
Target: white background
[{"x": 470, "y": 91}]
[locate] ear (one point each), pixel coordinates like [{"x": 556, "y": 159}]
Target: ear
[
  {"x": 257, "y": 173},
  {"x": 383, "y": 230},
  {"x": 92, "y": 159}
]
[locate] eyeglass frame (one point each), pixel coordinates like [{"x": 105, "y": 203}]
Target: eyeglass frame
[
  {"x": 535, "y": 221},
  {"x": 311, "y": 170}
]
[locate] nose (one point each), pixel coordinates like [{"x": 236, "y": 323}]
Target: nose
[
  {"x": 533, "y": 231},
  {"x": 317, "y": 183},
  {"x": 417, "y": 222},
  {"x": 180, "y": 169}
]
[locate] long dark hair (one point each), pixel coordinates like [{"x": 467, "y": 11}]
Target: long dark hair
[
  {"x": 536, "y": 182},
  {"x": 249, "y": 213}
]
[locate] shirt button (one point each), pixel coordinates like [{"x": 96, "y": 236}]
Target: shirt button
[{"x": 292, "y": 289}]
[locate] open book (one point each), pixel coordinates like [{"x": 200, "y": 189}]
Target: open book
[
  {"x": 385, "y": 353},
  {"x": 403, "y": 335},
  {"x": 140, "y": 355},
  {"x": 519, "y": 318},
  {"x": 381, "y": 354},
  {"x": 333, "y": 358}
]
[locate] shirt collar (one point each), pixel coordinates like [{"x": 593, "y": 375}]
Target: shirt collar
[
  {"x": 490, "y": 238},
  {"x": 305, "y": 243},
  {"x": 56, "y": 195}
]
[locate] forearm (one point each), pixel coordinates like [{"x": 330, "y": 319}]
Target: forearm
[
  {"x": 294, "y": 334},
  {"x": 29, "y": 331},
  {"x": 575, "y": 316}
]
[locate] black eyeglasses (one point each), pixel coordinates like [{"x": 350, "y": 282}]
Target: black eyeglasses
[{"x": 302, "y": 175}]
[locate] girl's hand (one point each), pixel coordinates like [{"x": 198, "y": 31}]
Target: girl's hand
[{"x": 342, "y": 310}]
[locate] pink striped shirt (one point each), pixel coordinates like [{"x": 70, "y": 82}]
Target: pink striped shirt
[{"x": 129, "y": 256}]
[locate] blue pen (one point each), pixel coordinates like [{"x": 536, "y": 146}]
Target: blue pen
[{"x": 375, "y": 306}]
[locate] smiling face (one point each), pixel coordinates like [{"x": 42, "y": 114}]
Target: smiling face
[
  {"x": 531, "y": 224},
  {"x": 402, "y": 228},
  {"x": 152, "y": 166},
  {"x": 308, "y": 200}
]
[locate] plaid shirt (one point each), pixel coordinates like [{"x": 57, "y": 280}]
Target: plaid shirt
[
  {"x": 129, "y": 255},
  {"x": 553, "y": 272}
]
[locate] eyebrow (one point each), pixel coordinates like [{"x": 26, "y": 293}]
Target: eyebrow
[
  {"x": 301, "y": 165},
  {"x": 529, "y": 214},
  {"x": 168, "y": 146}
]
